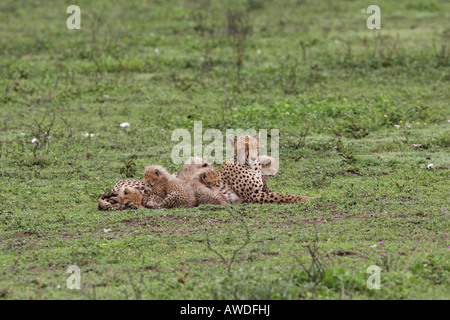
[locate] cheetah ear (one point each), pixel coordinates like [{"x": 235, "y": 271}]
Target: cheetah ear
[
  {"x": 157, "y": 173},
  {"x": 204, "y": 176},
  {"x": 126, "y": 191}
]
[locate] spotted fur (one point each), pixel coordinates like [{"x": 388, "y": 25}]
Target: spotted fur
[
  {"x": 201, "y": 180},
  {"x": 243, "y": 176}
]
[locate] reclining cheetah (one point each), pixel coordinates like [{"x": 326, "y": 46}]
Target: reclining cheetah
[
  {"x": 164, "y": 190},
  {"x": 197, "y": 177},
  {"x": 242, "y": 174},
  {"x": 115, "y": 198},
  {"x": 128, "y": 198}
]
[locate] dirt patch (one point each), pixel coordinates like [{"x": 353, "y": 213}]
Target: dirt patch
[
  {"x": 46, "y": 267},
  {"x": 135, "y": 222},
  {"x": 182, "y": 232},
  {"x": 270, "y": 254},
  {"x": 343, "y": 253},
  {"x": 214, "y": 221},
  {"x": 289, "y": 223},
  {"x": 335, "y": 216},
  {"x": 24, "y": 234}
]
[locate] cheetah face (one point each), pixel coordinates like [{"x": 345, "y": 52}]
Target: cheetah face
[
  {"x": 246, "y": 149},
  {"x": 152, "y": 177},
  {"x": 209, "y": 178}
]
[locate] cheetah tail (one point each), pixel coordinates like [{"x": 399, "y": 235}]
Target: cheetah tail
[{"x": 273, "y": 197}]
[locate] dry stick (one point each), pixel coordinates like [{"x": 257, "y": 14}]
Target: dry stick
[
  {"x": 224, "y": 261},
  {"x": 441, "y": 56},
  {"x": 349, "y": 47},
  {"x": 394, "y": 49},
  {"x": 302, "y": 45}
]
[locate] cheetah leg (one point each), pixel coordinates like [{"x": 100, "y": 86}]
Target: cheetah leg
[
  {"x": 107, "y": 201},
  {"x": 131, "y": 205},
  {"x": 212, "y": 197},
  {"x": 108, "y": 195},
  {"x": 172, "y": 200},
  {"x": 104, "y": 205},
  {"x": 153, "y": 202},
  {"x": 265, "y": 188}
]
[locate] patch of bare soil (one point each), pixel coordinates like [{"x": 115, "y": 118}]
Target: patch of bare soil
[{"x": 24, "y": 234}]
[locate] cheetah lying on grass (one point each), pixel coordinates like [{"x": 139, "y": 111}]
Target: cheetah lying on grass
[
  {"x": 159, "y": 189},
  {"x": 240, "y": 179},
  {"x": 243, "y": 175}
]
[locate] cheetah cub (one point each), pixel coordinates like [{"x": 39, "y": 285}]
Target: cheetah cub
[
  {"x": 165, "y": 191},
  {"x": 128, "y": 198},
  {"x": 202, "y": 178}
]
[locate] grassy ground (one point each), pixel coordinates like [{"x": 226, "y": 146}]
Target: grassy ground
[{"x": 372, "y": 106}]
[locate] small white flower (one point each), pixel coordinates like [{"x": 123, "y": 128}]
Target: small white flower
[
  {"x": 34, "y": 140},
  {"x": 87, "y": 135},
  {"x": 58, "y": 286},
  {"x": 374, "y": 246},
  {"x": 448, "y": 121},
  {"x": 49, "y": 137},
  {"x": 430, "y": 166},
  {"x": 106, "y": 230},
  {"x": 397, "y": 125},
  {"x": 22, "y": 133},
  {"x": 416, "y": 145},
  {"x": 258, "y": 51},
  {"x": 408, "y": 126},
  {"x": 156, "y": 50},
  {"x": 202, "y": 59},
  {"x": 124, "y": 124},
  {"x": 106, "y": 96}
]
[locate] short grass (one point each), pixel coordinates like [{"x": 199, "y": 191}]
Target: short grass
[{"x": 371, "y": 104}]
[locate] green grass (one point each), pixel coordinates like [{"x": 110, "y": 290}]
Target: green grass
[{"x": 370, "y": 176}]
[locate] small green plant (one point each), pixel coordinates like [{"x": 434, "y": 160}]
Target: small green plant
[
  {"x": 41, "y": 132},
  {"x": 356, "y": 131},
  {"x": 238, "y": 29},
  {"x": 288, "y": 75},
  {"x": 315, "y": 271},
  {"x": 129, "y": 167}
]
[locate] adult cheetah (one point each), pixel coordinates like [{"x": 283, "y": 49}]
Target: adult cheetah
[{"x": 243, "y": 176}]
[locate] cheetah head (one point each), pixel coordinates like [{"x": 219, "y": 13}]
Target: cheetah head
[
  {"x": 268, "y": 165},
  {"x": 246, "y": 148},
  {"x": 209, "y": 177},
  {"x": 155, "y": 174}
]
